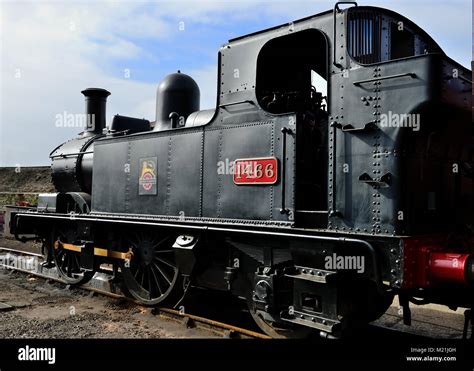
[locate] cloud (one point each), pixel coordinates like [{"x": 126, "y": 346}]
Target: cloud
[
  {"x": 206, "y": 79},
  {"x": 50, "y": 51}
]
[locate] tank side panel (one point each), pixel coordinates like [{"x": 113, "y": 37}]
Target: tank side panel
[
  {"x": 184, "y": 175},
  {"x": 109, "y": 177}
]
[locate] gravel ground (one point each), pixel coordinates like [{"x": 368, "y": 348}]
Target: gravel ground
[
  {"x": 46, "y": 309},
  {"x": 429, "y": 320}
]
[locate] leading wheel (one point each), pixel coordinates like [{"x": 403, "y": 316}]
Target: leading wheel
[
  {"x": 68, "y": 262},
  {"x": 152, "y": 276}
]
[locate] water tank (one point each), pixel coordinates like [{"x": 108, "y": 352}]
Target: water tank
[{"x": 177, "y": 97}]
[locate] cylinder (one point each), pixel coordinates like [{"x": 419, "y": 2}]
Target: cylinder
[
  {"x": 177, "y": 97},
  {"x": 96, "y": 100}
]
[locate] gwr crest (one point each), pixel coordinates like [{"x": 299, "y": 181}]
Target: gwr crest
[{"x": 147, "y": 179}]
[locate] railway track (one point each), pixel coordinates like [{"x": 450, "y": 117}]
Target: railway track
[{"x": 103, "y": 284}]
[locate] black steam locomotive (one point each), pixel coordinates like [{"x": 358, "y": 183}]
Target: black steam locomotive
[{"x": 335, "y": 173}]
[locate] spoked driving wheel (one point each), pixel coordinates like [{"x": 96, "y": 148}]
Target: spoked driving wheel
[
  {"x": 152, "y": 276},
  {"x": 67, "y": 261}
]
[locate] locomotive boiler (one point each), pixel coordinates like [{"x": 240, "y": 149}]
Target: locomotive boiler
[{"x": 335, "y": 173}]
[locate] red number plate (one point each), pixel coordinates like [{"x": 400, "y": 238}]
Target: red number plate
[{"x": 256, "y": 171}]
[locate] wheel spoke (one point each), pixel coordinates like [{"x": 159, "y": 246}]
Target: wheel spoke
[
  {"x": 163, "y": 251},
  {"x": 143, "y": 278},
  {"x": 60, "y": 254},
  {"x": 155, "y": 244},
  {"x": 156, "y": 281},
  {"x": 150, "y": 286},
  {"x": 69, "y": 266},
  {"x": 77, "y": 265},
  {"x": 134, "y": 243},
  {"x": 139, "y": 274},
  {"x": 162, "y": 273},
  {"x": 164, "y": 261},
  {"x": 136, "y": 272},
  {"x": 64, "y": 261}
]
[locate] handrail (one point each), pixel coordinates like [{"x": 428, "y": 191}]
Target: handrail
[
  {"x": 407, "y": 74},
  {"x": 337, "y": 10},
  {"x": 235, "y": 103},
  {"x": 71, "y": 154},
  {"x": 344, "y": 2},
  {"x": 283, "y": 209}
]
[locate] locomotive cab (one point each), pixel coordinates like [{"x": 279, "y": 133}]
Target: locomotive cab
[{"x": 292, "y": 75}]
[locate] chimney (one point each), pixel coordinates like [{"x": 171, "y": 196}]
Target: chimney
[{"x": 96, "y": 100}]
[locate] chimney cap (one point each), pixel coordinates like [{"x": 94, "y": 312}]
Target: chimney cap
[{"x": 96, "y": 92}]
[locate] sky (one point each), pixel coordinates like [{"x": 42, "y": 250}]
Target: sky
[{"x": 51, "y": 50}]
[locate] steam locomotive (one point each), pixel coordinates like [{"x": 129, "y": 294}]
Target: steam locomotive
[{"x": 335, "y": 173}]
